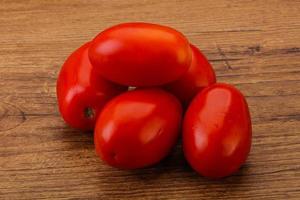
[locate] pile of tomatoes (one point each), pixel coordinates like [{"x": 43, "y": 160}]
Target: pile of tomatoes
[{"x": 140, "y": 86}]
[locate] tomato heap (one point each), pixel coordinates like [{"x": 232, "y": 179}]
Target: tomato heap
[{"x": 175, "y": 91}]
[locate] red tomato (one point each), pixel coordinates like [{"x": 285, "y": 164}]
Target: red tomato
[
  {"x": 138, "y": 128},
  {"x": 199, "y": 76},
  {"x": 217, "y": 131},
  {"x": 140, "y": 54},
  {"x": 81, "y": 94}
]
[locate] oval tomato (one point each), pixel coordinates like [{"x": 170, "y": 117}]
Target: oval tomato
[
  {"x": 140, "y": 54},
  {"x": 199, "y": 75},
  {"x": 81, "y": 94},
  {"x": 217, "y": 131},
  {"x": 138, "y": 128}
]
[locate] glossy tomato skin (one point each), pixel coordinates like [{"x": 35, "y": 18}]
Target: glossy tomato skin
[
  {"x": 81, "y": 94},
  {"x": 138, "y": 128},
  {"x": 217, "y": 131},
  {"x": 199, "y": 75},
  {"x": 140, "y": 54}
]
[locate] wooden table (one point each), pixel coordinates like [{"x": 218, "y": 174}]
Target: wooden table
[{"x": 254, "y": 45}]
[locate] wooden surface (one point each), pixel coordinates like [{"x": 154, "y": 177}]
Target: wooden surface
[{"x": 254, "y": 45}]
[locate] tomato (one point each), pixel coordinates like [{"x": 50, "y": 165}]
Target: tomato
[
  {"x": 199, "y": 75},
  {"x": 138, "y": 128},
  {"x": 81, "y": 94},
  {"x": 140, "y": 54},
  {"x": 217, "y": 131}
]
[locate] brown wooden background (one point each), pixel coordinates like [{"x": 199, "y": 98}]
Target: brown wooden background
[{"x": 254, "y": 45}]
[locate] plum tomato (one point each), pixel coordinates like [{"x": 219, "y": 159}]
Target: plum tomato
[
  {"x": 81, "y": 94},
  {"x": 217, "y": 131},
  {"x": 138, "y": 128},
  {"x": 199, "y": 75},
  {"x": 140, "y": 54}
]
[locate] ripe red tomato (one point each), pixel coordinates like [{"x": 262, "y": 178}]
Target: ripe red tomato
[
  {"x": 140, "y": 54},
  {"x": 199, "y": 75},
  {"x": 81, "y": 94},
  {"x": 137, "y": 128},
  {"x": 217, "y": 131}
]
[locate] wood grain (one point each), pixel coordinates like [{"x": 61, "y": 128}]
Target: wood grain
[{"x": 254, "y": 45}]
